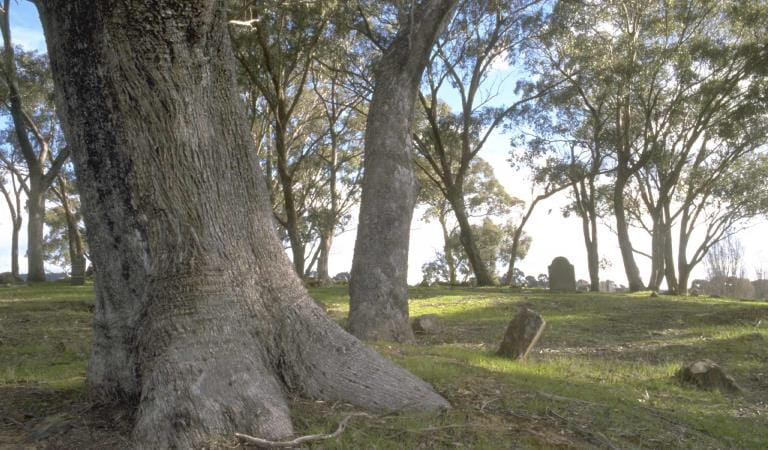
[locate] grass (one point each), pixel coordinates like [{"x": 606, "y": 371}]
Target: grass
[{"x": 602, "y": 375}]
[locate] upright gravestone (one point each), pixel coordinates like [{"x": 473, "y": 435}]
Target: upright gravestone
[
  {"x": 561, "y": 275},
  {"x": 522, "y": 334}
]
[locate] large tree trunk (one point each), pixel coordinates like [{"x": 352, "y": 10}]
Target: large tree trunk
[
  {"x": 379, "y": 284},
  {"x": 622, "y": 229},
  {"x": 199, "y": 314},
  {"x": 35, "y": 221}
]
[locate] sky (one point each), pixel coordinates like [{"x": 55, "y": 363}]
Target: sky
[{"x": 552, "y": 235}]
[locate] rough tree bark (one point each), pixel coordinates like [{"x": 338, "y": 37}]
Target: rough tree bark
[
  {"x": 199, "y": 317},
  {"x": 379, "y": 284}
]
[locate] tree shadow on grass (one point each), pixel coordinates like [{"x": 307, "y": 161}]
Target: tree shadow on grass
[{"x": 589, "y": 409}]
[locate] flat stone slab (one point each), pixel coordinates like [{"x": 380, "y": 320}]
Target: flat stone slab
[{"x": 522, "y": 334}]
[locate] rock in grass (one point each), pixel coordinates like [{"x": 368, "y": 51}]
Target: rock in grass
[
  {"x": 523, "y": 332},
  {"x": 427, "y": 324},
  {"x": 707, "y": 374},
  {"x": 9, "y": 278}
]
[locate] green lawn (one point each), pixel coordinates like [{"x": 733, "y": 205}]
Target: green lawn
[{"x": 602, "y": 375}]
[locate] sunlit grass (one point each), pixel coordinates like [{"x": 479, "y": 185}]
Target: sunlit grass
[{"x": 604, "y": 370}]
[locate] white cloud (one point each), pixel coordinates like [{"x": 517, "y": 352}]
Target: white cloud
[{"x": 29, "y": 38}]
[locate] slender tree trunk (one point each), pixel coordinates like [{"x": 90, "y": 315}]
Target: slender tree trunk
[
  {"x": 15, "y": 247},
  {"x": 14, "y": 209},
  {"x": 289, "y": 201},
  {"x": 585, "y": 200},
  {"x": 593, "y": 256},
  {"x": 625, "y": 244},
  {"x": 468, "y": 242},
  {"x": 511, "y": 266},
  {"x": 379, "y": 284},
  {"x": 328, "y": 223},
  {"x": 682, "y": 257},
  {"x": 516, "y": 240},
  {"x": 515, "y": 246},
  {"x": 682, "y": 282},
  {"x": 199, "y": 316},
  {"x": 35, "y": 221},
  {"x": 669, "y": 258},
  {"x": 447, "y": 251},
  {"x": 326, "y": 239},
  {"x": 76, "y": 248},
  {"x": 658, "y": 246}
]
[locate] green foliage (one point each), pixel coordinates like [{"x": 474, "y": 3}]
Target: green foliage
[{"x": 494, "y": 242}]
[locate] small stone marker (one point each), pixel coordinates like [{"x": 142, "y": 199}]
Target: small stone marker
[
  {"x": 561, "y": 275},
  {"x": 427, "y": 324},
  {"x": 522, "y": 334},
  {"x": 8, "y": 278},
  {"x": 706, "y": 374}
]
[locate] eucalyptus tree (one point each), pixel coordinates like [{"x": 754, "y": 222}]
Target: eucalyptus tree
[
  {"x": 64, "y": 243},
  {"x": 550, "y": 185},
  {"x": 494, "y": 242},
  {"x": 599, "y": 48},
  {"x": 718, "y": 198},
  {"x": 651, "y": 79},
  {"x": 566, "y": 137},
  {"x": 379, "y": 284},
  {"x": 12, "y": 190},
  {"x": 340, "y": 154},
  {"x": 27, "y": 90},
  {"x": 484, "y": 197},
  {"x": 483, "y": 37},
  {"x": 276, "y": 47},
  {"x": 200, "y": 320}
]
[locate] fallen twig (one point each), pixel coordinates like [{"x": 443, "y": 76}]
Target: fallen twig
[
  {"x": 594, "y": 435},
  {"x": 569, "y": 399},
  {"x": 12, "y": 420},
  {"x": 302, "y": 439}
]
